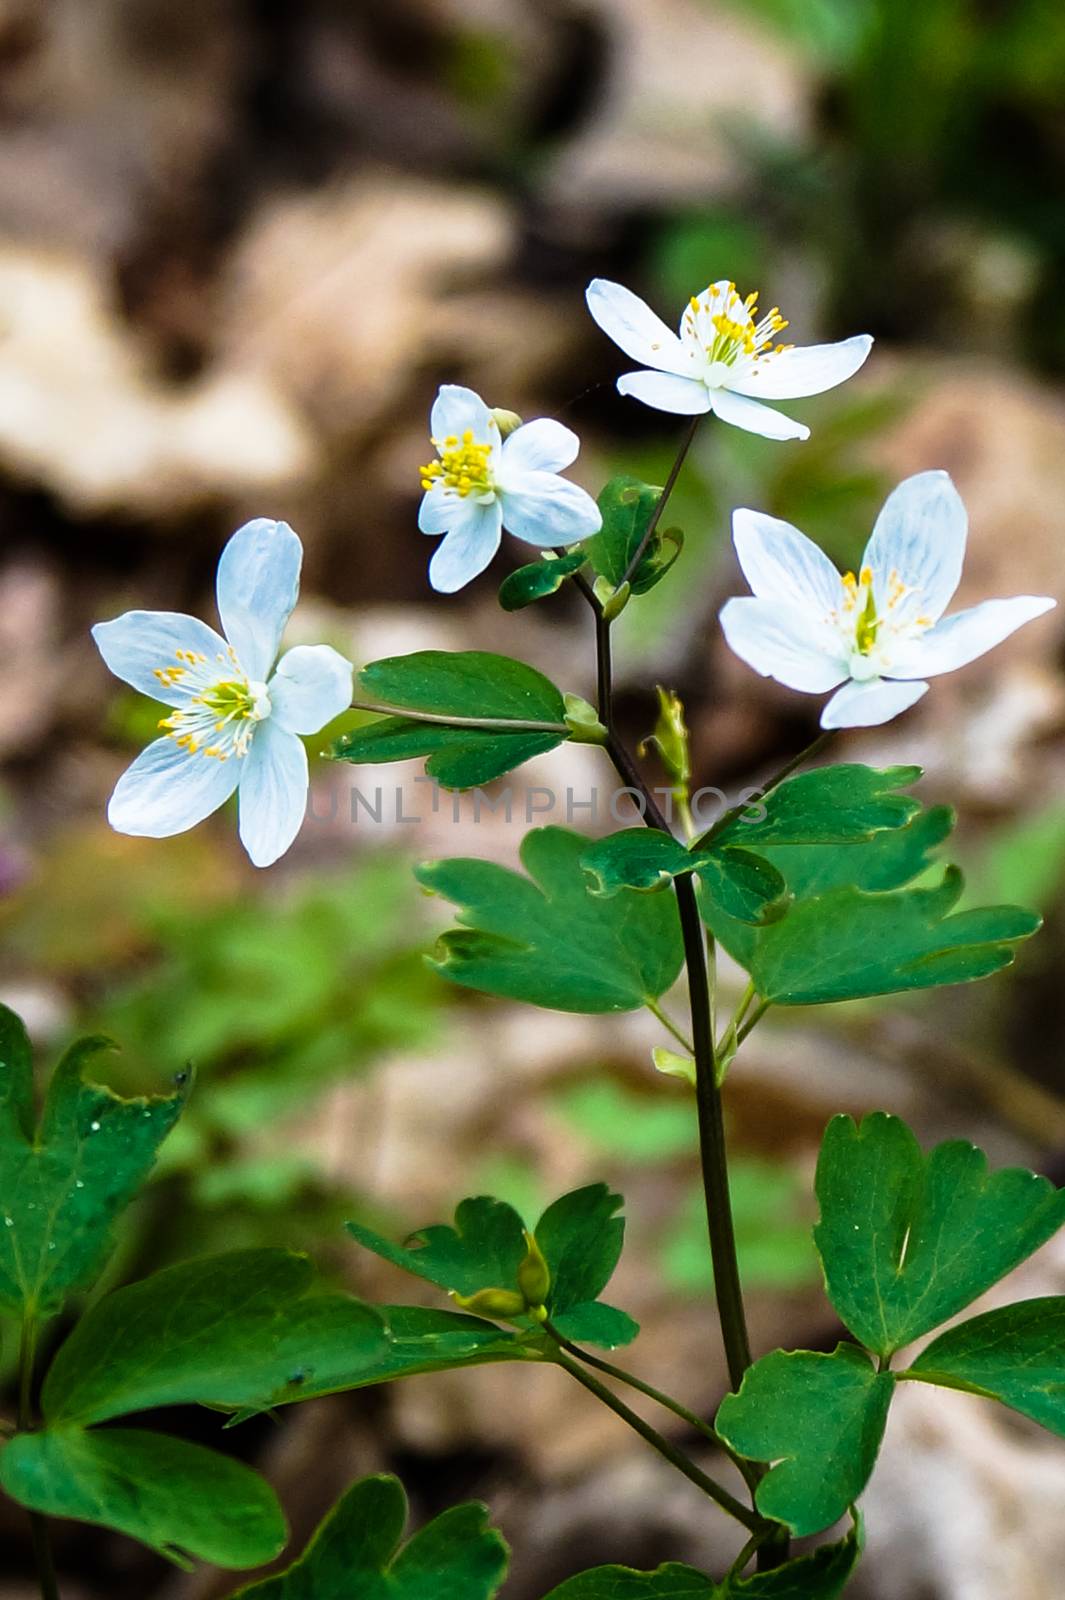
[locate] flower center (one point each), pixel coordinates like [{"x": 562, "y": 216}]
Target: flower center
[
  {"x": 727, "y": 329},
  {"x": 221, "y": 713},
  {"x": 869, "y": 629},
  {"x": 463, "y": 466}
]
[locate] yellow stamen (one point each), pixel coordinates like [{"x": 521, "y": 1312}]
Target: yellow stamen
[{"x": 463, "y": 466}]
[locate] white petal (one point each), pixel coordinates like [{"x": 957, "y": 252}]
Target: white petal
[
  {"x": 957, "y": 640},
  {"x": 548, "y": 510},
  {"x": 166, "y": 790},
  {"x": 687, "y": 397},
  {"x": 791, "y": 374},
  {"x": 539, "y": 446},
  {"x": 443, "y": 508},
  {"x": 780, "y": 563},
  {"x": 755, "y": 418},
  {"x": 138, "y": 642},
  {"x": 311, "y": 686},
  {"x": 273, "y": 793},
  {"x": 868, "y": 704},
  {"x": 467, "y": 549},
  {"x": 258, "y": 585},
  {"x": 635, "y": 328},
  {"x": 455, "y": 409},
  {"x": 780, "y": 645},
  {"x": 920, "y": 536}
]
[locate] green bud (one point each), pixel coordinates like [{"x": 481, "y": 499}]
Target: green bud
[
  {"x": 504, "y": 1304},
  {"x": 582, "y": 720},
  {"x": 613, "y": 601},
  {"x": 671, "y": 736},
  {"x": 674, "y": 1065},
  {"x": 506, "y": 421},
  {"x": 534, "y": 1276}
]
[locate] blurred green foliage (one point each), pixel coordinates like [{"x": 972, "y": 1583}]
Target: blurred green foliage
[{"x": 184, "y": 958}]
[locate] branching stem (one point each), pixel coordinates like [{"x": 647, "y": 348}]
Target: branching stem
[{"x": 42, "y": 1544}]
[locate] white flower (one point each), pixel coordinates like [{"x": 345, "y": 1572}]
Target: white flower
[
  {"x": 482, "y": 483},
  {"x": 724, "y": 360},
  {"x": 233, "y": 725},
  {"x": 878, "y": 634}
]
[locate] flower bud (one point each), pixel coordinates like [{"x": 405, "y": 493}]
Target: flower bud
[
  {"x": 506, "y": 421},
  {"x": 503, "y": 1304},
  {"x": 534, "y": 1275}
]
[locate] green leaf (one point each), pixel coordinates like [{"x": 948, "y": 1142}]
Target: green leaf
[
  {"x": 580, "y": 1237},
  {"x": 626, "y": 506},
  {"x": 425, "y": 1339},
  {"x": 63, "y": 1184},
  {"x": 848, "y": 943},
  {"x": 909, "y": 1240},
  {"x": 820, "y": 1575},
  {"x": 1015, "y": 1354},
  {"x": 819, "y": 1419},
  {"x": 463, "y": 684},
  {"x": 744, "y": 885},
  {"x": 596, "y": 1323},
  {"x": 669, "y": 1582},
  {"x": 357, "y": 1551},
  {"x": 238, "y": 1329},
  {"x": 539, "y": 579},
  {"x": 546, "y": 939},
  {"x": 844, "y": 804},
  {"x": 179, "y": 1498},
  {"x": 483, "y": 1250},
  {"x": 459, "y": 758}
]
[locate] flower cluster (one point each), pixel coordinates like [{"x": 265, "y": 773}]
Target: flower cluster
[{"x": 875, "y": 637}]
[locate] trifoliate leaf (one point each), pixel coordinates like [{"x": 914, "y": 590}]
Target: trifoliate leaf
[
  {"x": 626, "y": 506},
  {"x": 742, "y": 884},
  {"x": 357, "y": 1551},
  {"x": 179, "y": 1498},
  {"x": 1015, "y": 1354},
  {"x": 539, "y": 579},
  {"x": 820, "y": 1420},
  {"x": 820, "y": 1575},
  {"x": 467, "y": 684},
  {"x": 546, "y": 939},
  {"x": 909, "y": 1240},
  {"x": 240, "y": 1329},
  {"x": 579, "y": 1235},
  {"x": 63, "y": 1183}
]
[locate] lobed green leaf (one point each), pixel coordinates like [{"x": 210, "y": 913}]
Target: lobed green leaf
[
  {"x": 1015, "y": 1354},
  {"x": 63, "y": 1183},
  {"x": 741, "y": 884},
  {"x": 909, "y": 1240},
  {"x": 546, "y": 939},
  {"x": 358, "y": 1551},
  {"x": 819, "y": 1419}
]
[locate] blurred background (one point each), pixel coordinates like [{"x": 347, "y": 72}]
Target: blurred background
[{"x": 242, "y": 243}]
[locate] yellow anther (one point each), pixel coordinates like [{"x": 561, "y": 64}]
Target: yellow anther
[{"x": 463, "y": 467}]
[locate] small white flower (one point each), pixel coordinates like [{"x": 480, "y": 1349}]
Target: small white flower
[
  {"x": 482, "y": 483},
  {"x": 233, "y": 725},
  {"x": 879, "y": 634},
  {"x": 727, "y": 358}
]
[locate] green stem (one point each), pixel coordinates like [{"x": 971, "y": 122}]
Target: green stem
[
  {"x": 620, "y": 1375},
  {"x": 675, "y": 1457},
  {"x": 667, "y": 1022},
  {"x": 42, "y": 1544},
  {"x": 712, "y": 1150},
  {"x": 491, "y": 724},
  {"x": 766, "y": 788},
  {"x": 660, "y": 504}
]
